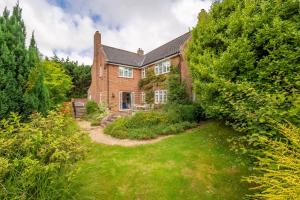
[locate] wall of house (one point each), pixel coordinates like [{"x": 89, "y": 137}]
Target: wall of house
[
  {"x": 120, "y": 84},
  {"x": 106, "y": 84}
]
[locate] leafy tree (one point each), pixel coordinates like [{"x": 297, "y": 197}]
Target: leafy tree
[
  {"x": 244, "y": 58},
  {"x": 80, "y": 74},
  {"x": 57, "y": 82}
]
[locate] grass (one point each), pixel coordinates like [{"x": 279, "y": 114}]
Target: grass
[{"x": 196, "y": 165}]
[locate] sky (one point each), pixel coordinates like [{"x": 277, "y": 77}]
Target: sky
[{"x": 66, "y": 27}]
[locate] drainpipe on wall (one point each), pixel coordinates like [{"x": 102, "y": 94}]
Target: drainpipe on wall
[{"x": 108, "y": 87}]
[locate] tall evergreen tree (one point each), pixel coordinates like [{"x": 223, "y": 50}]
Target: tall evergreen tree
[
  {"x": 16, "y": 64},
  {"x": 36, "y": 96},
  {"x": 10, "y": 90}
]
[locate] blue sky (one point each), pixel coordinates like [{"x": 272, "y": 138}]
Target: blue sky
[{"x": 66, "y": 27}]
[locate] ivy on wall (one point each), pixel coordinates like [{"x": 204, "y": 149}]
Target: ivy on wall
[
  {"x": 151, "y": 82},
  {"x": 171, "y": 81}
]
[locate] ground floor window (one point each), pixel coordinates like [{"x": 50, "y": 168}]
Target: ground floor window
[
  {"x": 160, "y": 96},
  {"x": 143, "y": 98}
]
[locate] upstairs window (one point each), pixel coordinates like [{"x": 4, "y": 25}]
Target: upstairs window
[
  {"x": 143, "y": 72},
  {"x": 160, "y": 96},
  {"x": 125, "y": 72},
  {"x": 162, "y": 67}
]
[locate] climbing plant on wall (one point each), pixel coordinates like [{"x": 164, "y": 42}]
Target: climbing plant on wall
[
  {"x": 151, "y": 82},
  {"x": 176, "y": 88}
]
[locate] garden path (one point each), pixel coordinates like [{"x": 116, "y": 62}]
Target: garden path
[{"x": 96, "y": 134}]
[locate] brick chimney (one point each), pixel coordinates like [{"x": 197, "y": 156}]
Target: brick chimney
[
  {"x": 140, "y": 51},
  {"x": 97, "y": 46}
]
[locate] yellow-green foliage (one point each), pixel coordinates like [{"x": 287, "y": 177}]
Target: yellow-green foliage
[
  {"x": 57, "y": 82},
  {"x": 278, "y": 169},
  {"x": 37, "y": 158}
]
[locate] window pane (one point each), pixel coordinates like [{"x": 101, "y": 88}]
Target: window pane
[{"x": 120, "y": 71}]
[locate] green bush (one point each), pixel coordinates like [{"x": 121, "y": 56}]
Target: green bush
[
  {"x": 37, "y": 159},
  {"x": 277, "y": 173},
  {"x": 147, "y": 125},
  {"x": 91, "y": 107},
  {"x": 244, "y": 59},
  {"x": 95, "y": 112},
  {"x": 181, "y": 112}
]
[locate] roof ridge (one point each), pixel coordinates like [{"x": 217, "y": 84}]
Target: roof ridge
[
  {"x": 123, "y": 50},
  {"x": 168, "y": 42}
]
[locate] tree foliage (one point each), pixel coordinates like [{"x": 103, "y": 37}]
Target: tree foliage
[
  {"x": 245, "y": 60},
  {"x": 279, "y": 162},
  {"x": 80, "y": 74},
  {"x": 244, "y": 57},
  {"x": 16, "y": 63},
  {"x": 57, "y": 81}
]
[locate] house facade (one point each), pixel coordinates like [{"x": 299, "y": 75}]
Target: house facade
[{"x": 116, "y": 73}]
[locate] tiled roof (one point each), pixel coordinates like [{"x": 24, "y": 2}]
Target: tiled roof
[
  {"x": 166, "y": 50},
  {"x": 120, "y": 56}
]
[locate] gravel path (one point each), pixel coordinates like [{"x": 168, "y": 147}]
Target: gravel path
[{"x": 97, "y": 135}]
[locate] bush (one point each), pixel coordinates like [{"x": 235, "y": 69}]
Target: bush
[
  {"x": 147, "y": 125},
  {"x": 277, "y": 172},
  {"x": 189, "y": 112},
  {"x": 95, "y": 112},
  {"x": 244, "y": 62},
  {"x": 91, "y": 107},
  {"x": 37, "y": 159}
]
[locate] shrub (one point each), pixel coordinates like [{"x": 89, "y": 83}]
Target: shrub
[
  {"x": 147, "y": 125},
  {"x": 95, "y": 112},
  {"x": 277, "y": 172},
  {"x": 244, "y": 61},
  {"x": 37, "y": 159},
  {"x": 181, "y": 112},
  {"x": 177, "y": 91},
  {"x": 91, "y": 107}
]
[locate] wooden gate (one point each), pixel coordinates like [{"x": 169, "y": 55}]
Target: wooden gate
[{"x": 78, "y": 107}]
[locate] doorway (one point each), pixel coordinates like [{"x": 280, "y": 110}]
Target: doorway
[{"x": 125, "y": 100}]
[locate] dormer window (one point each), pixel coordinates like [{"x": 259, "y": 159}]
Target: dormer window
[
  {"x": 162, "y": 67},
  {"x": 125, "y": 72}
]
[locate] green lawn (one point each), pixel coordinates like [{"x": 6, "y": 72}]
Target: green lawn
[{"x": 195, "y": 165}]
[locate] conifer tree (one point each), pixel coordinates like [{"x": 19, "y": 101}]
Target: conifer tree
[
  {"x": 36, "y": 95},
  {"x": 20, "y": 90}
]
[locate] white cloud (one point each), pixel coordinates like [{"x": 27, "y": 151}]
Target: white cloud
[{"x": 124, "y": 24}]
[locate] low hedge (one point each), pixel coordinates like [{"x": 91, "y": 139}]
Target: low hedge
[{"x": 147, "y": 125}]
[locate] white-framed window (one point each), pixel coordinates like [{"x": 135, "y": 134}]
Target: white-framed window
[
  {"x": 160, "y": 96},
  {"x": 143, "y": 72},
  {"x": 162, "y": 67},
  {"x": 143, "y": 98},
  {"x": 125, "y": 72}
]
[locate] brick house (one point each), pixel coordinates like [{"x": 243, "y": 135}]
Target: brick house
[{"x": 116, "y": 73}]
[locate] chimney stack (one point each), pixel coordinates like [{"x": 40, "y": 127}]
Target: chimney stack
[
  {"x": 140, "y": 51},
  {"x": 97, "y": 45}
]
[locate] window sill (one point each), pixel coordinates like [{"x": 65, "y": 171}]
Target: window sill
[
  {"x": 125, "y": 77},
  {"x": 162, "y": 73}
]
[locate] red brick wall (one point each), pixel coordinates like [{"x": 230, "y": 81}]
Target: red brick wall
[
  {"x": 118, "y": 84},
  {"x": 106, "y": 84}
]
